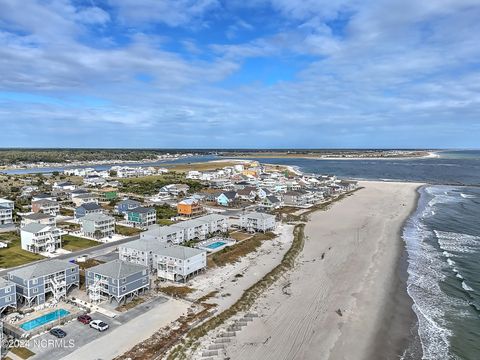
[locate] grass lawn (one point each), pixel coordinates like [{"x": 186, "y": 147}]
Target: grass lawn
[
  {"x": 164, "y": 222},
  {"x": 73, "y": 243},
  {"x": 13, "y": 255},
  {"x": 22, "y": 352},
  {"x": 127, "y": 231}
]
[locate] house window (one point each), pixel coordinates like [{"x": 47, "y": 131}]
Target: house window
[
  {"x": 35, "y": 290},
  {"x": 144, "y": 272},
  {"x": 11, "y": 277},
  {"x": 73, "y": 269},
  {"x": 124, "y": 280},
  {"x": 8, "y": 299},
  {"x": 74, "y": 277},
  {"x": 35, "y": 281},
  {"x": 8, "y": 289},
  {"x": 124, "y": 288}
]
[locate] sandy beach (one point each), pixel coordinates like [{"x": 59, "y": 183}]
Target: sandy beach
[{"x": 346, "y": 298}]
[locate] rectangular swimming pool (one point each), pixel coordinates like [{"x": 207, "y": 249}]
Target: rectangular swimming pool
[
  {"x": 44, "y": 319},
  {"x": 216, "y": 244}
]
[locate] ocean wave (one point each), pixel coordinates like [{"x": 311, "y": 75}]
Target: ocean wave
[
  {"x": 466, "y": 287},
  {"x": 457, "y": 242},
  {"x": 466, "y": 196}
]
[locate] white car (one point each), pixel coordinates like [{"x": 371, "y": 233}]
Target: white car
[{"x": 99, "y": 325}]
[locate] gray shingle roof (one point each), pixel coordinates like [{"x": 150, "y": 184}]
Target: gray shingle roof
[
  {"x": 4, "y": 283},
  {"x": 97, "y": 217},
  {"x": 117, "y": 269},
  {"x": 178, "y": 252},
  {"x": 42, "y": 268},
  {"x": 37, "y": 216},
  {"x": 90, "y": 206},
  {"x": 259, "y": 216},
  {"x": 142, "y": 210},
  {"x": 34, "y": 227}
]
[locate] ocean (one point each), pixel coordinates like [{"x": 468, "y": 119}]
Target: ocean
[{"x": 442, "y": 239}]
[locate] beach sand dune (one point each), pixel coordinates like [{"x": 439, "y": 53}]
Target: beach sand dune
[{"x": 345, "y": 299}]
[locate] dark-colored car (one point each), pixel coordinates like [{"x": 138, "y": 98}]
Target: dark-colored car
[
  {"x": 57, "y": 332},
  {"x": 84, "y": 319}
]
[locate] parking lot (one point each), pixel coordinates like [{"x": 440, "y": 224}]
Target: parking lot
[{"x": 79, "y": 334}]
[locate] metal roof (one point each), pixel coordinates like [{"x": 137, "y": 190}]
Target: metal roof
[
  {"x": 178, "y": 252},
  {"x": 90, "y": 206},
  {"x": 258, "y": 216},
  {"x": 117, "y": 269},
  {"x": 37, "y": 216}
]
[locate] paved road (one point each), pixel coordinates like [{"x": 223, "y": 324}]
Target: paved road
[{"x": 101, "y": 249}]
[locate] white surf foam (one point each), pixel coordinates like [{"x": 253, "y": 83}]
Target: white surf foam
[{"x": 466, "y": 287}]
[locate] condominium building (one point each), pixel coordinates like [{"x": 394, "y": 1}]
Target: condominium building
[
  {"x": 116, "y": 280},
  {"x": 8, "y": 295},
  {"x": 255, "y": 221},
  {"x": 34, "y": 283}
]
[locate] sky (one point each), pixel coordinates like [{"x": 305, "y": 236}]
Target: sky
[{"x": 240, "y": 73}]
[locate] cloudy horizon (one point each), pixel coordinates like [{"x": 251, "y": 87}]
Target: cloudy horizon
[{"x": 240, "y": 74}]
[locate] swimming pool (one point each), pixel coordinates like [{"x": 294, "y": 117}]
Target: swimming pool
[
  {"x": 44, "y": 319},
  {"x": 216, "y": 244}
]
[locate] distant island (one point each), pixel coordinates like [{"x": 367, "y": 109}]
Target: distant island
[{"x": 332, "y": 154}]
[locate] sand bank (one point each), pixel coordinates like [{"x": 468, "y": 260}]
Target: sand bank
[{"x": 345, "y": 299}]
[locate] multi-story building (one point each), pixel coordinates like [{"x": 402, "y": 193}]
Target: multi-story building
[
  {"x": 107, "y": 194},
  {"x": 116, "y": 280},
  {"x": 197, "y": 228},
  {"x": 39, "y": 238},
  {"x": 140, "y": 251},
  {"x": 6, "y": 211},
  {"x": 190, "y": 208},
  {"x": 141, "y": 216},
  {"x": 125, "y": 205},
  {"x": 8, "y": 295},
  {"x": 178, "y": 263},
  {"x": 46, "y": 206},
  {"x": 85, "y": 198},
  {"x": 88, "y": 208},
  {"x": 165, "y": 234},
  {"x": 34, "y": 283},
  {"x": 97, "y": 225},
  {"x": 38, "y": 218},
  {"x": 255, "y": 221}
]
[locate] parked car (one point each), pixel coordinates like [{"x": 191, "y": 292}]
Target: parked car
[
  {"x": 98, "y": 325},
  {"x": 57, "y": 332},
  {"x": 84, "y": 319}
]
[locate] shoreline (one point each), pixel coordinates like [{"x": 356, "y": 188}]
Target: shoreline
[
  {"x": 342, "y": 286},
  {"x": 398, "y": 328}
]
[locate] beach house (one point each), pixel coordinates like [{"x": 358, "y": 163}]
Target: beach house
[
  {"x": 85, "y": 198},
  {"x": 39, "y": 238},
  {"x": 39, "y": 218},
  {"x": 46, "y": 206},
  {"x": 127, "y": 204},
  {"x": 34, "y": 283},
  {"x": 116, "y": 280},
  {"x": 141, "y": 216},
  {"x": 6, "y": 211},
  {"x": 255, "y": 221},
  {"x": 97, "y": 225},
  {"x": 8, "y": 295},
  {"x": 190, "y": 208},
  {"x": 166, "y": 234},
  {"x": 88, "y": 208}
]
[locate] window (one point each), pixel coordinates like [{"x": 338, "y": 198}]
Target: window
[
  {"x": 124, "y": 288},
  {"x": 73, "y": 269},
  {"x": 8, "y": 289},
  {"x": 8, "y": 299},
  {"x": 144, "y": 272},
  {"x": 124, "y": 280},
  {"x": 74, "y": 277},
  {"x": 35, "y": 290},
  {"x": 35, "y": 281}
]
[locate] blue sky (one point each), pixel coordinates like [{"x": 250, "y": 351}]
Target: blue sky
[{"x": 252, "y": 73}]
